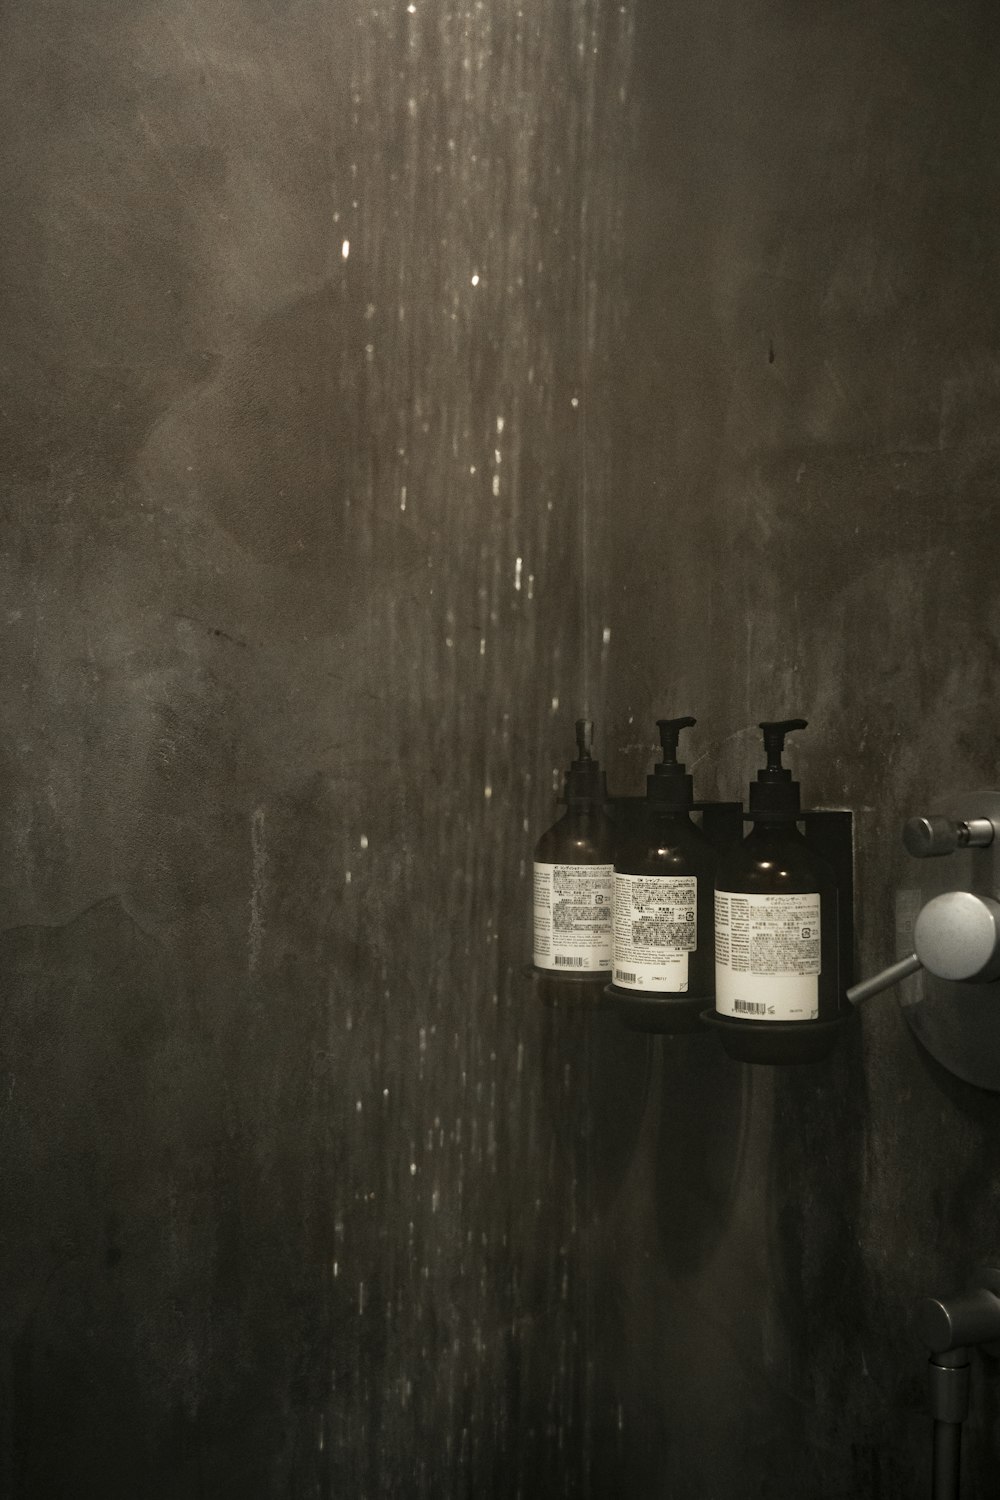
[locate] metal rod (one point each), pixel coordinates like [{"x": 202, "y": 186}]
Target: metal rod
[
  {"x": 882, "y": 981},
  {"x": 947, "y": 1460}
]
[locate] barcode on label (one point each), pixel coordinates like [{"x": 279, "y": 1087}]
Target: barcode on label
[
  {"x": 750, "y": 1007},
  {"x": 624, "y": 975},
  {"x": 569, "y": 963}
]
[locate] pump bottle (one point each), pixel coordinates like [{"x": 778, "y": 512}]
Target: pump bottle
[
  {"x": 574, "y": 867},
  {"x": 664, "y": 875},
  {"x": 775, "y": 915}
]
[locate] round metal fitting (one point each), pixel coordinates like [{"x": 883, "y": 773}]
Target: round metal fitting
[{"x": 957, "y": 936}]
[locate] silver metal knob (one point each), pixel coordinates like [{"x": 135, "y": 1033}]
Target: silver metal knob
[
  {"x": 956, "y": 936},
  {"x": 925, "y": 838}
]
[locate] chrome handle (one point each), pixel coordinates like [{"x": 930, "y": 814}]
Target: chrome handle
[
  {"x": 956, "y": 936},
  {"x": 884, "y": 980},
  {"x": 926, "y": 838}
]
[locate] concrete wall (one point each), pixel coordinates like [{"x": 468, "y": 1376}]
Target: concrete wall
[
  {"x": 806, "y": 457},
  {"x": 295, "y": 341},
  {"x": 380, "y": 386}
]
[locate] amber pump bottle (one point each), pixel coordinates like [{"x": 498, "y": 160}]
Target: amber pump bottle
[
  {"x": 776, "y": 919},
  {"x": 573, "y": 872},
  {"x": 664, "y": 875}
]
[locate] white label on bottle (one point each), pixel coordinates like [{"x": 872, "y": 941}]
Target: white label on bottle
[
  {"x": 767, "y": 956},
  {"x": 573, "y": 917},
  {"x": 656, "y": 927}
]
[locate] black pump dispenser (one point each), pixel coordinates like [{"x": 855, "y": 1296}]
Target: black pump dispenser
[
  {"x": 585, "y": 781},
  {"x": 777, "y": 970},
  {"x": 670, "y": 786},
  {"x": 663, "y": 886},
  {"x": 573, "y": 885},
  {"x": 774, "y": 796}
]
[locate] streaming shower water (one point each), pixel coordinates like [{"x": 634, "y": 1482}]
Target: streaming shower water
[
  {"x": 332, "y": 288},
  {"x": 477, "y": 220}
]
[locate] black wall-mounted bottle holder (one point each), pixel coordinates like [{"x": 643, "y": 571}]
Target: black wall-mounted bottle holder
[
  {"x": 759, "y": 1019},
  {"x": 567, "y": 991},
  {"x": 721, "y": 822},
  {"x": 830, "y": 831},
  {"x": 831, "y": 834}
]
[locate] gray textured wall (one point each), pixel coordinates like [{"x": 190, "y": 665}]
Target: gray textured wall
[
  {"x": 298, "y": 330},
  {"x": 806, "y": 459},
  {"x": 659, "y": 373}
]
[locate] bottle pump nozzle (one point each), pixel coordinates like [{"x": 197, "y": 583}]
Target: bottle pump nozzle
[
  {"x": 774, "y": 793},
  {"x": 585, "y": 780},
  {"x": 670, "y": 786},
  {"x": 670, "y": 733}
]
